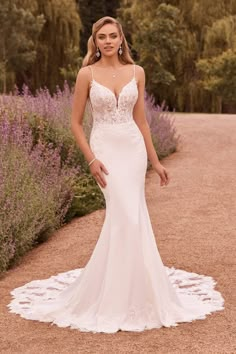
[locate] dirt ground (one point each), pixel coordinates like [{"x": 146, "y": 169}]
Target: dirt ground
[{"x": 194, "y": 219}]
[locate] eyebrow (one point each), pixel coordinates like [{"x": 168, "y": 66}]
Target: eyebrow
[{"x": 105, "y": 33}]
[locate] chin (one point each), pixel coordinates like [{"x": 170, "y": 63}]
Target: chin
[{"x": 109, "y": 54}]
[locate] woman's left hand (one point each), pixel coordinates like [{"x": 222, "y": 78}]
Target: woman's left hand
[{"x": 164, "y": 175}]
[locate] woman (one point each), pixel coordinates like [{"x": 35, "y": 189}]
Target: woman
[{"x": 125, "y": 285}]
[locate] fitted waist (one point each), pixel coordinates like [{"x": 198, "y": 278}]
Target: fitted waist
[
  {"x": 114, "y": 131},
  {"x": 110, "y": 122},
  {"x": 112, "y": 118}
]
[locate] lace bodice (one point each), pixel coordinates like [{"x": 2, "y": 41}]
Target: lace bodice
[{"x": 107, "y": 107}]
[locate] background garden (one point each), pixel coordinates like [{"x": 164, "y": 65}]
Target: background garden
[{"x": 188, "y": 51}]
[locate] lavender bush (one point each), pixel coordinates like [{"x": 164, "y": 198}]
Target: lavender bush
[
  {"x": 35, "y": 190},
  {"x": 44, "y": 179},
  {"x": 161, "y": 122}
]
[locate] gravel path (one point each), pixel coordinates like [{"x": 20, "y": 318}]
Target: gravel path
[{"x": 194, "y": 219}]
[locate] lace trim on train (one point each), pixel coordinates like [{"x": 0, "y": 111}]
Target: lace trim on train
[{"x": 186, "y": 283}]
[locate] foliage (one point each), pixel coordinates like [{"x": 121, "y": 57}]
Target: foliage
[
  {"x": 49, "y": 119},
  {"x": 220, "y": 37},
  {"x": 200, "y": 29},
  {"x": 36, "y": 190},
  {"x": 19, "y": 31},
  {"x": 59, "y": 35},
  {"x": 157, "y": 42},
  {"x": 216, "y": 68},
  {"x": 219, "y": 75},
  {"x": 161, "y": 121},
  {"x": 87, "y": 197},
  {"x": 46, "y": 41},
  {"x": 74, "y": 60}
]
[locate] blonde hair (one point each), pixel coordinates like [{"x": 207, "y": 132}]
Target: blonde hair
[{"x": 91, "y": 58}]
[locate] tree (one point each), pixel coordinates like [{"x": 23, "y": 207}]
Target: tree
[
  {"x": 197, "y": 25},
  {"x": 59, "y": 35},
  {"x": 157, "y": 38},
  {"x": 220, "y": 37},
  {"x": 219, "y": 75},
  {"x": 158, "y": 42},
  {"x": 216, "y": 68},
  {"x": 74, "y": 60},
  {"x": 19, "y": 30}
]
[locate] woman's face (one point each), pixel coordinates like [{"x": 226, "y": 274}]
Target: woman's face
[{"x": 108, "y": 39}]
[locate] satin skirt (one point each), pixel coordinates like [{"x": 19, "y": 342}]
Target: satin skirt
[{"x": 124, "y": 285}]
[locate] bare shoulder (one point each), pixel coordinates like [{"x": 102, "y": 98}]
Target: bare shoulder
[
  {"x": 140, "y": 73},
  {"x": 84, "y": 75},
  {"x": 139, "y": 69}
]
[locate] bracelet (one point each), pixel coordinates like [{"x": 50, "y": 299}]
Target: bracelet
[{"x": 92, "y": 161}]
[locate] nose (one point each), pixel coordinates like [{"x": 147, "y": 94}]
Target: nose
[{"x": 108, "y": 41}]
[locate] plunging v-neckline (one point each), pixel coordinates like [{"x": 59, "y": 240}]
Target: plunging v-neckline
[{"x": 112, "y": 92}]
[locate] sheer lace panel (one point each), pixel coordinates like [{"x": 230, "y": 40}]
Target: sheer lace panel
[{"x": 110, "y": 109}]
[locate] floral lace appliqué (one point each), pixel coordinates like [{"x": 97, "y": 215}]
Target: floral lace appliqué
[{"x": 107, "y": 108}]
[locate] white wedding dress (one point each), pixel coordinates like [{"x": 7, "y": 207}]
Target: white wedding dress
[{"x": 124, "y": 285}]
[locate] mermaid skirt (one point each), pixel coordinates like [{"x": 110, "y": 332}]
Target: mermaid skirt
[{"x": 124, "y": 285}]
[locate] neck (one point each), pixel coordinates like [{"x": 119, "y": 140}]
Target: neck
[{"x": 110, "y": 62}]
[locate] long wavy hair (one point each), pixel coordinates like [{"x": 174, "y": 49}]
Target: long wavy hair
[{"x": 91, "y": 58}]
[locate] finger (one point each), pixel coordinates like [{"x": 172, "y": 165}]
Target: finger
[
  {"x": 101, "y": 180},
  {"x": 101, "y": 176},
  {"x": 164, "y": 179},
  {"x": 103, "y": 168},
  {"x": 162, "y": 182},
  {"x": 167, "y": 177}
]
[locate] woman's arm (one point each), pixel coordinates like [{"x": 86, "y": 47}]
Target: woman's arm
[
  {"x": 78, "y": 107},
  {"x": 140, "y": 119}
]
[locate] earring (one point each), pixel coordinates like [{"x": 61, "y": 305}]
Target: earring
[
  {"x": 98, "y": 54},
  {"x": 120, "y": 51}
]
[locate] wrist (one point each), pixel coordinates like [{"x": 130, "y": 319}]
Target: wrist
[
  {"x": 90, "y": 163},
  {"x": 156, "y": 165}
]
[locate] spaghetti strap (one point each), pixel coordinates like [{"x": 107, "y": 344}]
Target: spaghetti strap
[
  {"x": 134, "y": 70},
  {"x": 91, "y": 82},
  {"x": 91, "y": 69}
]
